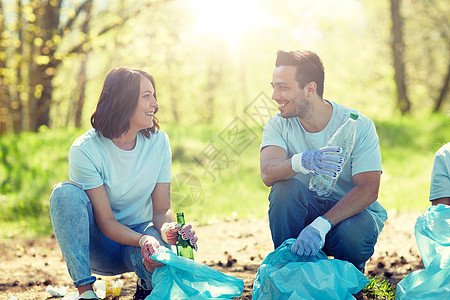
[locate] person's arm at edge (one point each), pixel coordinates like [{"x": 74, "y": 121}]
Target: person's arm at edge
[
  {"x": 106, "y": 221},
  {"x": 162, "y": 206},
  {"x": 357, "y": 199},
  {"x": 275, "y": 165},
  {"x": 443, "y": 200}
]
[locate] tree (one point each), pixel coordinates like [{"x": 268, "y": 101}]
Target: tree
[
  {"x": 398, "y": 49},
  {"x": 78, "y": 105},
  {"x": 444, "y": 91},
  {"x": 37, "y": 41},
  {"x": 3, "y": 82},
  {"x": 427, "y": 55}
]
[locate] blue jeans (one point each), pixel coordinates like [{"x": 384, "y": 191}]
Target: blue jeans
[
  {"x": 84, "y": 247},
  {"x": 292, "y": 207}
]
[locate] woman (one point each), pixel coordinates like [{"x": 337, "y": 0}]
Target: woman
[{"x": 115, "y": 211}]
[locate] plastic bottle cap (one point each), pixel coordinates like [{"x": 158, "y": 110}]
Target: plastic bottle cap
[{"x": 354, "y": 116}]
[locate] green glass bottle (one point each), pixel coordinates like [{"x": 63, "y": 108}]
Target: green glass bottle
[{"x": 184, "y": 248}]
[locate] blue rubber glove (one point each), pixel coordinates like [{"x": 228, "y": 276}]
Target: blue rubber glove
[
  {"x": 318, "y": 162},
  {"x": 312, "y": 238}
]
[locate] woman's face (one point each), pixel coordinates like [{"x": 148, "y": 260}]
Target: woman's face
[{"x": 146, "y": 107}]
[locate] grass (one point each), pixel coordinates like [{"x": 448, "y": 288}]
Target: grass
[
  {"x": 379, "y": 288},
  {"x": 215, "y": 175}
]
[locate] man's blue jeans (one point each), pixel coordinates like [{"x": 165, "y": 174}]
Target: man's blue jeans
[
  {"x": 292, "y": 207},
  {"x": 84, "y": 247}
]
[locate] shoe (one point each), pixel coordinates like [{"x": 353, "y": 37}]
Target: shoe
[
  {"x": 141, "y": 293},
  {"x": 88, "y": 295}
]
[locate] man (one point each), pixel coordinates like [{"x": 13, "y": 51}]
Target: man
[
  {"x": 346, "y": 224},
  {"x": 440, "y": 177}
]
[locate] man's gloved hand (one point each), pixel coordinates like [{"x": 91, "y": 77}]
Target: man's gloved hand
[
  {"x": 188, "y": 234},
  {"x": 312, "y": 238},
  {"x": 149, "y": 246},
  {"x": 318, "y": 162}
]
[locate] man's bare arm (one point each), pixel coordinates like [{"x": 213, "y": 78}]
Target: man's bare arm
[
  {"x": 357, "y": 199},
  {"x": 275, "y": 165}
]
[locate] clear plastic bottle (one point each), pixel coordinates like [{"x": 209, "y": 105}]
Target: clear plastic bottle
[
  {"x": 184, "y": 247},
  {"x": 344, "y": 137}
]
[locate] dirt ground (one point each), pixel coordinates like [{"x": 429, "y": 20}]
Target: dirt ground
[{"x": 236, "y": 248}]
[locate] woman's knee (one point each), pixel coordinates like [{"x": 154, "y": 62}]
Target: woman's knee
[
  {"x": 67, "y": 192},
  {"x": 71, "y": 182}
]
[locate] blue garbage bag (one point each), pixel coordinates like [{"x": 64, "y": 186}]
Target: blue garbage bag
[
  {"x": 432, "y": 233},
  {"x": 284, "y": 275},
  {"x": 183, "y": 278}
]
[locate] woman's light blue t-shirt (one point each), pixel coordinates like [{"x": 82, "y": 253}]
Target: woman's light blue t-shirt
[
  {"x": 129, "y": 177},
  {"x": 440, "y": 175},
  {"x": 289, "y": 134}
]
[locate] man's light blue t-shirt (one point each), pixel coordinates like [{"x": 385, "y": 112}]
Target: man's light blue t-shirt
[
  {"x": 129, "y": 177},
  {"x": 440, "y": 175},
  {"x": 289, "y": 134}
]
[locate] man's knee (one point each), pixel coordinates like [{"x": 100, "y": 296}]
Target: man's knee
[
  {"x": 284, "y": 191},
  {"x": 354, "y": 239},
  {"x": 358, "y": 229}
]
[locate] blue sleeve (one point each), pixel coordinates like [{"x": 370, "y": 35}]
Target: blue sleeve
[
  {"x": 82, "y": 168},
  {"x": 366, "y": 155},
  {"x": 165, "y": 175},
  {"x": 272, "y": 134}
]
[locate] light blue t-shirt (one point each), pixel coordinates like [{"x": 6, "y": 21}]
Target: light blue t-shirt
[
  {"x": 440, "y": 175},
  {"x": 289, "y": 134},
  {"x": 129, "y": 177}
]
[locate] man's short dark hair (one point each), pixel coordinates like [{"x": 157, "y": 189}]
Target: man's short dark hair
[
  {"x": 118, "y": 101},
  {"x": 308, "y": 64}
]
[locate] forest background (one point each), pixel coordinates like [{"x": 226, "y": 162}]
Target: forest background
[{"x": 213, "y": 63}]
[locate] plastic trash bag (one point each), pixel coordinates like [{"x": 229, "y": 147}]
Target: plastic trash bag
[
  {"x": 432, "y": 233},
  {"x": 284, "y": 275},
  {"x": 183, "y": 278}
]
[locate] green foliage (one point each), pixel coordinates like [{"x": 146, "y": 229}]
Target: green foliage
[
  {"x": 221, "y": 183},
  {"x": 30, "y": 164},
  {"x": 407, "y": 148},
  {"x": 210, "y": 180},
  {"x": 379, "y": 288}
]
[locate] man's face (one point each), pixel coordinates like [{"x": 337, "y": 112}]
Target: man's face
[{"x": 292, "y": 100}]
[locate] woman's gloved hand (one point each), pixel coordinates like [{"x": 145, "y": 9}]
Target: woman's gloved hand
[
  {"x": 149, "y": 246},
  {"x": 170, "y": 232}
]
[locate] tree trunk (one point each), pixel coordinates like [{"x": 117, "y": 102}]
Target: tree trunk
[
  {"x": 16, "y": 102},
  {"x": 81, "y": 92},
  {"x": 403, "y": 102},
  {"x": 443, "y": 93},
  {"x": 215, "y": 73},
  {"x": 82, "y": 74},
  {"x": 3, "y": 86},
  {"x": 42, "y": 72}
]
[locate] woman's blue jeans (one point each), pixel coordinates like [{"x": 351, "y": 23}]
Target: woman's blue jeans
[
  {"x": 292, "y": 207},
  {"x": 84, "y": 247}
]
